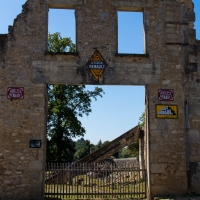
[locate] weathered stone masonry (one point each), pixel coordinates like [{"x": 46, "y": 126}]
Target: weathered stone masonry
[{"x": 171, "y": 61}]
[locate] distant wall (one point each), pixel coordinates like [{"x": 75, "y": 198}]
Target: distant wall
[{"x": 126, "y": 162}]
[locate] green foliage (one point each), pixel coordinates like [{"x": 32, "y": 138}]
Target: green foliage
[
  {"x": 67, "y": 103},
  {"x": 130, "y": 151},
  {"x": 82, "y": 149},
  {"x": 141, "y": 120},
  {"x": 104, "y": 143},
  {"x": 58, "y": 44},
  {"x": 98, "y": 145},
  {"x": 79, "y": 143}
]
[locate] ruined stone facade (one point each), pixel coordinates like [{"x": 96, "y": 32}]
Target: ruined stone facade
[{"x": 171, "y": 61}]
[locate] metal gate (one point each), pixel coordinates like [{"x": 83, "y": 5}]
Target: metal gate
[{"x": 94, "y": 180}]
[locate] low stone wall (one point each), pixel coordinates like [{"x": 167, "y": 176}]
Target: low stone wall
[{"x": 127, "y": 162}]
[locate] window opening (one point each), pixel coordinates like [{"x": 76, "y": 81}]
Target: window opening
[
  {"x": 62, "y": 21},
  {"x": 130, "y": 32}
]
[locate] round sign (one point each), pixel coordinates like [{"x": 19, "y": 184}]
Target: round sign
[{"x": 15, "y": 93}]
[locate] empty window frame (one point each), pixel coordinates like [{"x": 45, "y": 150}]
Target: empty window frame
[
  {"x": 62, "y": 21},
  {"x": 130, "y": 32}
]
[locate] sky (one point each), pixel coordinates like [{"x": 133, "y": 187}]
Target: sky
[{"x": 121, "y": 106}]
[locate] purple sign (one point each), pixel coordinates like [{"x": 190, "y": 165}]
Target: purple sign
[
  {"x": 15, "y": 93},
  {"x": 165, "y": 95}
]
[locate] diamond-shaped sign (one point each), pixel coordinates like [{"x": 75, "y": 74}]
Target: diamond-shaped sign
[{"x": 96, "y": 64}]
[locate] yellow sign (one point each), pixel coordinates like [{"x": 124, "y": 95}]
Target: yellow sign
[
  {"x": 167, "y": 111},
  {"x": 96, "y": 64}
]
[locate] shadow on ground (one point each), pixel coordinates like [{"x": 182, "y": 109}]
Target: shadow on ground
[{"x": 181, "y": 197}]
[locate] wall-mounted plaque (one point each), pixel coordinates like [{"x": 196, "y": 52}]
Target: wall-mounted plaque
[
  {"x": 15, "y": 92},
  {"x": 165, "y": 95},
  {"x": 96, "y": 64},
  {"x": 35, "y": 143},
  {"x": 167, "y": 111}
]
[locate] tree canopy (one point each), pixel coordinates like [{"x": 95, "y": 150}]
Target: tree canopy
[
  {"x": 141, "y": 120},
  {"x": 58, "y": 44},
  {"x": 82, "y": 148}
]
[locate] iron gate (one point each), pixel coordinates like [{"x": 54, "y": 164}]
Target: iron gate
[{"x": 94, "y": 180}]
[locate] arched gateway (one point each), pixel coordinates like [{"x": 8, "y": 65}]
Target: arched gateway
[{"x": 169, "y": 68}]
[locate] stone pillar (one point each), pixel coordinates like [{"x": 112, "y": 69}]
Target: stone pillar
[{"x": 141, "y": 157}]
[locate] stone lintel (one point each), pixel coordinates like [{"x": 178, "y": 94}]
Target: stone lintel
[
  {"x": 52, "y": 72},
  {"x": 62, "y": 3},
  {"x": 133, "y": 5}
]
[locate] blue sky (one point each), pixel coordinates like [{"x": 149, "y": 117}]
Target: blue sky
[{"x": 121, "y": 106}]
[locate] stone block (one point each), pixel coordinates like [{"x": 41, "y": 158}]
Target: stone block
[
  {"x": 36, "y": 165},
  {"x": 158, "y": 168},
  {"x": 192, "y": 58},
  {"x": 194, "y": 136}
]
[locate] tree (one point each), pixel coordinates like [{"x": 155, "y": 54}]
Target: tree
[
  {"x": 141, "y": 120},
  {"x": 106, "y": 142},
  {"x": 79, "y": 143},
  {"x": 65, "y": 104},
  {"x": 82, "y": 148},
  {"x": 58, "y": 44},
  {"x": 130, "y": 151},
  {"x": 98, "y": 145}
]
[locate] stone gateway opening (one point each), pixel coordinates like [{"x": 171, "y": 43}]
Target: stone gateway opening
[{"x": 85, "y": 164}]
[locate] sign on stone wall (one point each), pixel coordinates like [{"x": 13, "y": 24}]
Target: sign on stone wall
[
  {"x": 167, "y": 111},
  {"x": 96, "y": 64},
  {"x": 15, "y": 92},
  {"x": 165, "y": 95},
  {"x": 35, "y": 143}
]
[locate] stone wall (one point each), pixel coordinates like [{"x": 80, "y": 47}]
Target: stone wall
[
  {"x": 21, "y": 167},
  {"x": 171, "y": 61},
  {"x": 167, "y": 149},
  {"x": 192, "y": 91}
]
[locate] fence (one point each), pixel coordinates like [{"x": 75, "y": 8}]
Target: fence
[{"x": 94, "y": 180}]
